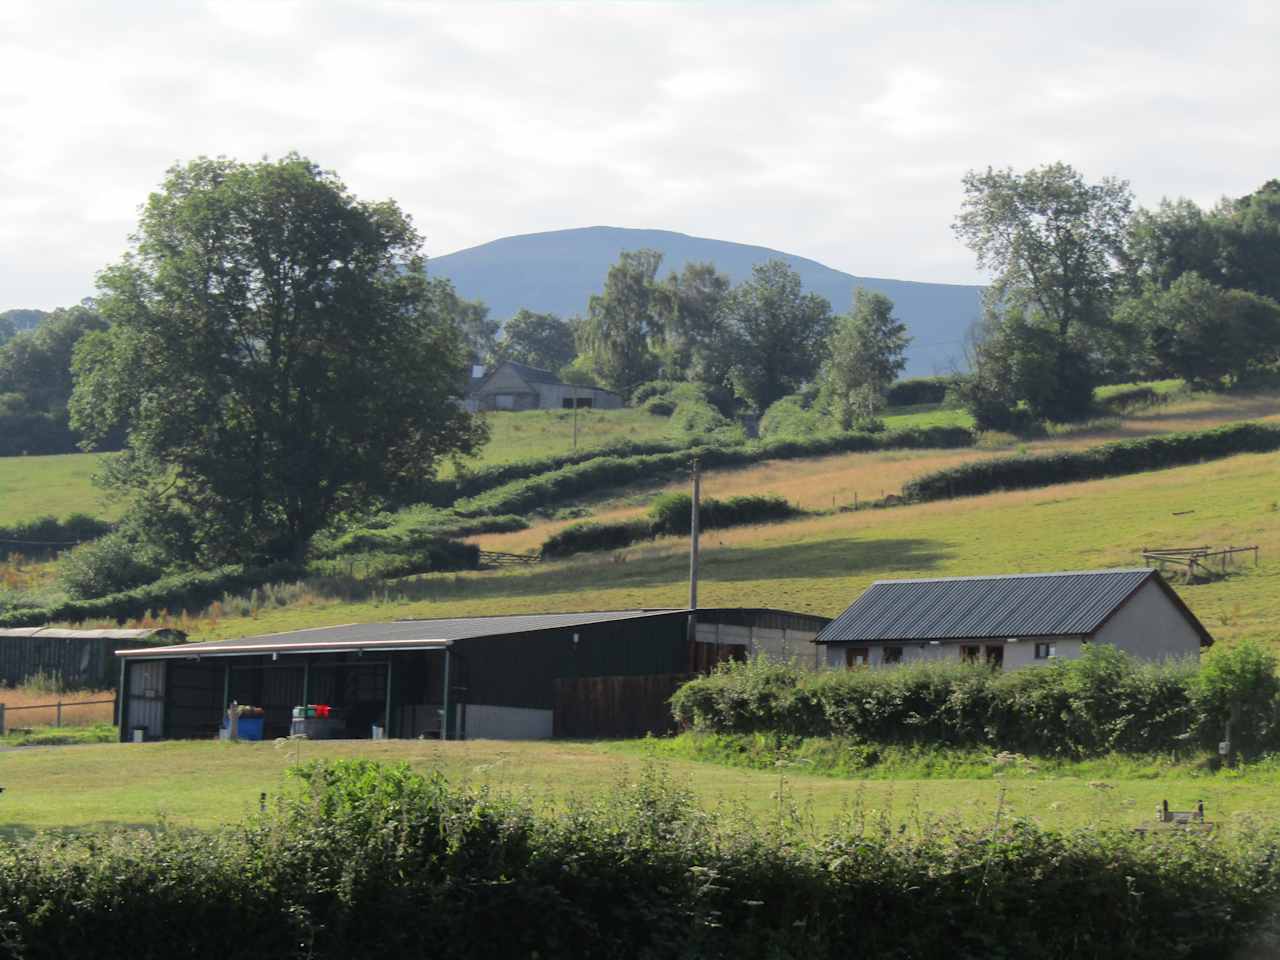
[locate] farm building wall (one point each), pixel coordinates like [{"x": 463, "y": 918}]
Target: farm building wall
[
  {"x": 1150, "y": 626},
  {"x": 85, "y": 662}
]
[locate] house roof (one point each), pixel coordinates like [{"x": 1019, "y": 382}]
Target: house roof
[
  {"x": 531, "y": 374},
  {"x": 1017, "y": 605},
  {"x": 396, "y": 634}
]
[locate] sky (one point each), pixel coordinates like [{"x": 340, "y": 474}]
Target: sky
[{"x": 838, "y": 132}]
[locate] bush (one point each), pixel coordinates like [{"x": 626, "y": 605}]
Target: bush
[
  {"x": 791, "y": 417},
  {"x": 918, "y": 390},
  {"x": 368, "y": 860},
  {"x": 1105, "y": 701},
  {"x": 659, "y": 406},
  {"x": 596, "y": 536},
  {"x": 671, "y": 513},
  {"x": 113, "y": 563},
  {"x": 1106, "y": 460},
  {"x": 442, "y": 527}
]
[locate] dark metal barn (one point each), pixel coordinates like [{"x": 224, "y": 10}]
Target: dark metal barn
[{"x": 515, "y": 677}]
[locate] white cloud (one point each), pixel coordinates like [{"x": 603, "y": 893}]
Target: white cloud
[{"x": 835, "y": 131}]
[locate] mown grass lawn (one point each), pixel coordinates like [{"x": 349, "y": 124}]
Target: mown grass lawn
[
  {"x": 202, "y": 784},
  {"x": 32, "y": 487}
]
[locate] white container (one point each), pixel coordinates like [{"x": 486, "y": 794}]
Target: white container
[
  {"x": 378, "y": 733},
  {"x": 139, "y": 734}
]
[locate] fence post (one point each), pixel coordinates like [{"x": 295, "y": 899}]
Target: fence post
[
  {"x": 1, "y": 719},
  {"x": 57, "y": 722}
]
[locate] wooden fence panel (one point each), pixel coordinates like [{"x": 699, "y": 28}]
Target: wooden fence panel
[{"x": 615, "y": 707}]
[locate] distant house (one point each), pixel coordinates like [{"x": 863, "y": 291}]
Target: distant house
[
  {"x": 514, "y": 386},
  {"x": 1013, "y": 621}
]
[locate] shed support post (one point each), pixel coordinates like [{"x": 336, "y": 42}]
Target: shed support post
[
  {"x": 444, "y": 719},
  {"x": 306, "y": 678},
  {"x": 122, "y": 697},
  {"x": 386, "y": 729},
  {"x": 226, "y": 687}
]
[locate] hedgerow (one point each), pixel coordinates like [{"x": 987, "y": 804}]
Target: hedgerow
[
  {"x": 1104, "y": 702},
  {"x": 557, "y": 486},
  {"x": 668, "y": 514},
  {"x": 46, "y": 536},
  {"x": 366, "y": 860},
  {"x": 1106, "y": 460},
  {"x": 918, "y": 390}
]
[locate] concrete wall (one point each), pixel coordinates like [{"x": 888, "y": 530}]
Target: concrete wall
[
  {"x": 1151, "y": 627},
  {"x": 507, "y": 723},
  {"x": 777, "y": 644}
]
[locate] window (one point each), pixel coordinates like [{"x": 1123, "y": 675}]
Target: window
[
  {"x": 892, "y": 655},
  {"x": 855, "y": 657},
  {"x": 969, "y": 653},
  {"x": 995, "y": 656},
  {"x": 1046, "y": 651}
]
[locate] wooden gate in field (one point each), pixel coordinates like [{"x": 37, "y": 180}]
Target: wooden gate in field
[{"x": 589, "y": 708}]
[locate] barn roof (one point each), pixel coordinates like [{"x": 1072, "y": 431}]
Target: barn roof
[
  {"x": 1062, "y": 604},
  {"x": 421, "y": 634},
  {"x": 68, "y": 633},
  {"x": 396, "y": 634}
]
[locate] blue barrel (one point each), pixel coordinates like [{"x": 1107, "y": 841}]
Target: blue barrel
[{"x": 250, "y": 728}]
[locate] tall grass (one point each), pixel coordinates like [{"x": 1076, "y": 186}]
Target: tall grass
[{"x": 43, "y": 693}]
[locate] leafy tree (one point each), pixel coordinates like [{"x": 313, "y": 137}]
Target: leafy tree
[
  {"x": 1204, "y": 334},
  {"x": 1055, "y": 244},
  {"x": 692, "y": 341},
  {"x": 623, "y": 322},
  {"x": 540, "y": 340},
  {"x": 1163, "y": 244},
  {"x": 479, "y": 331},
  {"x": 774, "y": 334},
  {"x": 7, "y": 330},
  {"x": 1250, "y": 239},
  {"x": 35, "y": 382},
  {"x": 867, "y": 352},
  {"x": 281, "y": 353}
]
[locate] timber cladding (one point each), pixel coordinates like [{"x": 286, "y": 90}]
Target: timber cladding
[
  {"x": 80, "y": 659},
  {"x": 615, "y": 707}
]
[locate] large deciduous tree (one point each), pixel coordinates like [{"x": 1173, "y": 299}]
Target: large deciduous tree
[
  {"x": 279, "y": 352},
  {"x": 623, "y": 323},
  {"x": 774, "y": 334},
  {"x": 692, "y": 340},
  {"x": 867, "y": 352}
]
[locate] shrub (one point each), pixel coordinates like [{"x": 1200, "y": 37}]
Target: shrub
[
  {"x": 918, "y": 390},
  {"x": 1105, "y": 701},
  {"x": 596, "y": 536},
  {"x": 367, "y": 860},
  {"x": 659, "y": 406},
  {"x": 113, "y": 563},
  {"x": 671, "y": 513},
  {"x": 1106, "y": 460},
  {"x": 791, "y": 417}
]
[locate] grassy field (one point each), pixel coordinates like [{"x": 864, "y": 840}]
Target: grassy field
[
  {"x": 200, "y": 784},
  {"x": 33, "y": 487}
]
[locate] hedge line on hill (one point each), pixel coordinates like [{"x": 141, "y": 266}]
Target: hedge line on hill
[
  {"x": 1107, "y": 460},
  {"x": 918, "y": 390},
  {"x": 557, "y": 486},
  {"x": 49, "y": 535},
  {"x": 430, "y": 533},
  {"x": 379, "y": 861},
  {"x": 1105, "y": 701},
  {"x": 669, "y": 514}
]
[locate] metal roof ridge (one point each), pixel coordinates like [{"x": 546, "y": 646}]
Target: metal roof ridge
[
  {"x": 508, "y": 616},
  {"x": 1017, "y": 576}
]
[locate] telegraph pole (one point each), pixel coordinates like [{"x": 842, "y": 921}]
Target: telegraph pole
[{"x": 693, "y": 538}]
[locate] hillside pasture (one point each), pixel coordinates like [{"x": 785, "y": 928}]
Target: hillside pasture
[
  {"x": 55, "y": 486},
  {"x": 207, "y": 783}
]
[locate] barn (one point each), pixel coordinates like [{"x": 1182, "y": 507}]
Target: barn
[
  {"x": 597, "y": 674},
  {"x": 78, "y": 659},
  {"x": 1014, "y": 620}
]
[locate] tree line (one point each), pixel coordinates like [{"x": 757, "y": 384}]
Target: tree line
[{"x": 1087, "y": 290}]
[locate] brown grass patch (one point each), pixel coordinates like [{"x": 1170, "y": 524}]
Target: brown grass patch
[{"x": 29, "y": 707}]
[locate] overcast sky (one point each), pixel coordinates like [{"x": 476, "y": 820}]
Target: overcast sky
[{"x": 838, "y": 132}]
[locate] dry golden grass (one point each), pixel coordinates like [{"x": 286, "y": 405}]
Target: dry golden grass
[{"x": 78, "y": 710}]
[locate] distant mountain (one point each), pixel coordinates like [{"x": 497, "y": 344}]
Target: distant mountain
[{"x": 557, "y": 272}]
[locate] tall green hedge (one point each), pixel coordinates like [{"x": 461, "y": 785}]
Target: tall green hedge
[
  {"x": 363, "y": 860},
  {"x": 1106, "y": 460},
  {"x": 557, "y": 486},
  {"x": 1106, "y": 701},
  {"x": 47, "y": 536}
]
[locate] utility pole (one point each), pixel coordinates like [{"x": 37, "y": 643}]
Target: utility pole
[
  {"x": 693, "y": 538},
  {"x": 575, "y": 417}
]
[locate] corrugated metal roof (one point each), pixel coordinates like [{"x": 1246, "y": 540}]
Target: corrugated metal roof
[
  {"x": 66, "y": 633},
  {"x": 396, "y": 633},
  {"x": 959, "y": 608}
]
